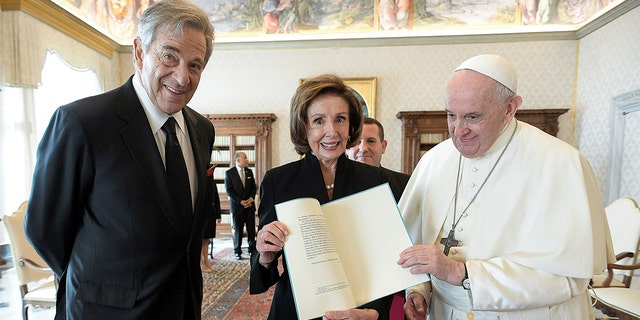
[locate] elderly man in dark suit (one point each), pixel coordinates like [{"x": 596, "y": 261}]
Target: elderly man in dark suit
[
  {"x": 241, "y": 188},
  {"x": 119, "y": 220}
]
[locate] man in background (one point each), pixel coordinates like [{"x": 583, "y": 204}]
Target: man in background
[
  {"x": 241, "y": 188},
  {"x": 370, "y": 150},
  {"x": 120, "y": 193}
]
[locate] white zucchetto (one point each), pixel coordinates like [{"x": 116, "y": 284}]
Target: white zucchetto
[{"x": 494, "y": 67}]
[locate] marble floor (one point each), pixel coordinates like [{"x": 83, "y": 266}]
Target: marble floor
[{"x": 10, "y": 304}]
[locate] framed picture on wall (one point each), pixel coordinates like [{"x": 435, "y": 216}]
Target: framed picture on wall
[{"x": 365, "y": 90}]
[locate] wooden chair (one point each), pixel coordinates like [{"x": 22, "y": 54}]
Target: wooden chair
[
  {"x": 37, "y": 282},
  {"x": 619, "y": 303},
  {"x": 623, "y": 217},
  {"x": 613, "y": 296}
]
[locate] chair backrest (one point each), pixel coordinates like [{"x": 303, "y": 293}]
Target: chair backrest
[
  {"x": 22, "y": 249},
  {"x": 623, "y": 217}
]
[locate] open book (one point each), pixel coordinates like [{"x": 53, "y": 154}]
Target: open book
[{"x": 343, "y": 254}]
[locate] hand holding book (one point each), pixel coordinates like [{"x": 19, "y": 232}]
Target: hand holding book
[
  {"x": 337, "y": 256},
  {"x": 270, "y": 241}
]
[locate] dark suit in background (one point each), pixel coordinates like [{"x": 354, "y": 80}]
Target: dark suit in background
[
  {"x": 397, "y": 181},
  {"x": 241, "y": 216},
  {"x": 370, "y": 149},
  {"x": 216, "y": 213}
]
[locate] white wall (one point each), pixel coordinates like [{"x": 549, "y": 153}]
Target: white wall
[
  {"x": 414, "y": 78},
  {"x": 408, "y": 78},
  {"x": 609, "y": 65}
]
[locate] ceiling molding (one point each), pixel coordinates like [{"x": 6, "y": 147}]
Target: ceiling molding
[
  {"x": 606, "y": 17},
  {"x": 391, "y": 40},
  {"x": 64, "y": 21}
]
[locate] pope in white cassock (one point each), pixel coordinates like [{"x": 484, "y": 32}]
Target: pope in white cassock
[{"x": 507, "y": 220}]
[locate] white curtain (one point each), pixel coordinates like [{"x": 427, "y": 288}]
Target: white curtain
[
  {"x": 24, "y": 42},
  {"x": 28, "y": 93},
  {"x": 24, "y": 116},
  {"x": 61, "y": 83},
  {"x": 16, "y": 156}
]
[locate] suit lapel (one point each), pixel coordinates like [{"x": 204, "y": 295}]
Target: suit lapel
[
  {"x": 237, "y": 181},
  {"x": 137, "y": 135}
]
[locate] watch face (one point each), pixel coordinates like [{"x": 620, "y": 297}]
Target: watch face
[{"x": 466, "y": 284}]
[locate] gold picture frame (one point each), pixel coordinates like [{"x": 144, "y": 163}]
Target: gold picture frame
[{"x": 366, "y": 89}]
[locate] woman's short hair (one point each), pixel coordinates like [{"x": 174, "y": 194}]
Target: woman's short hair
[
  {"x": 174, "y": 15},
  {"x": 307, "y": 92}
]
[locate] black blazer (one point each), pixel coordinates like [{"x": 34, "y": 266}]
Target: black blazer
[
  {"x": 303, "y": 178},
  {"x": 236, "y": 191},
  {"x": 397, "y": 181},
  {"x": 216, "y": 213},
  {"x": 101, "y": 216}
]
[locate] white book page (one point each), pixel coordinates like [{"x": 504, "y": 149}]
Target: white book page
[
  {"x": 318, "y": 280},
  {"x": 369, "y": 234}
]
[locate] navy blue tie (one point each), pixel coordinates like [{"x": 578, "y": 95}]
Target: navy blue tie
[{"x": 177, "y": 171}]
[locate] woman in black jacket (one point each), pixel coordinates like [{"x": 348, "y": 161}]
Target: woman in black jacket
[{"x": 326, "y": 119}]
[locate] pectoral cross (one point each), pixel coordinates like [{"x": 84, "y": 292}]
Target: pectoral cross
[{"x": 449, "y": 241}]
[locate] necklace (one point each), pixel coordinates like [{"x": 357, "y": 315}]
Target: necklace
[
  {"x": 450, "y": 240},
  {"x": 329, "y": 186}
]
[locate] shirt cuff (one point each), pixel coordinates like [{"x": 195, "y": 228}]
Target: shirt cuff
[{"x": 423, "y": 289}]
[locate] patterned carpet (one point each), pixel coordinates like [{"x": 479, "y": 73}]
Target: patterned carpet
[{"x": 226, "y": 290}]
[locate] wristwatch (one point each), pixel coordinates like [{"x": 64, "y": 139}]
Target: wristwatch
[{"x": 466, "y": 284}]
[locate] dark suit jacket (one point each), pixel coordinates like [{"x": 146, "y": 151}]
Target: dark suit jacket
[
  {"x": 303, "y": 178},
  {"x": 237, "y": 192},
  {"x": 216, "y": 213},
  {"x": 397, "y": 181},
  {"x": 101, "y": 215}
]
